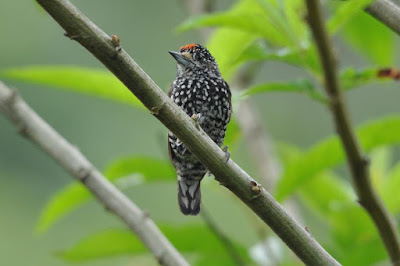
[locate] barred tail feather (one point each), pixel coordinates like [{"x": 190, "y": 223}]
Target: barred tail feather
[{"x": 189, "y": 196}]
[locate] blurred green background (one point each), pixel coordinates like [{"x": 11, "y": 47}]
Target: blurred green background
[{"x": 104, "y": 130}]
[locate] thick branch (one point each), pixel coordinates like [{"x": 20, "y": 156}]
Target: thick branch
[
  {"x": 357, "y": 162},
  {"x": 35, "y": 128},
  {"x": 387, "y": 12},
  {"x": 228, "y": 173}
]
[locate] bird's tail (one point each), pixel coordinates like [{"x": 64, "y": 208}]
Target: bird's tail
[{"x": 189, "y": 196}]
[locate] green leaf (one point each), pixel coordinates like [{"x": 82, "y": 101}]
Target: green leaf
[
  {"x": 390, "y": 189},
  {"x": 246, "y": 16},
  {"x": 299, "y": 86},
  {"x": 331, "y": 199},
  {"x": 90, "y": 81},
  {"x": 259, "y": 51},
  {"x": 371, "y": 38},
  {"x": 223, "y": 53},
  {"x": 118, "y": 242},
  {"x": 380, "y": 158},
  {"x": 345, "y": 13},
  {"x": 250, "y": 23},
  {"x": 75, "y": 195},
  {"x": 329, "y": 153},
  {"x": 327, "y": 193},
  {"x": 233, "y": 134},
  {"x": 304, "y": 57},
  {"x": 351, "y": 78},
  {"x": 294, "y": 12},
  {"x": 151, "y": 169}
]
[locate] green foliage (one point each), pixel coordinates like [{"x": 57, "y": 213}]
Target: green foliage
[
  {"x": 390, "y": 188},
  {"x": 116, "y": 242},
  {"x": 254, "y": 31},
  {"x": 332, "y": 200},
  {"x": 280, "y": 25},
  {"x": 224, "y": 54},
  {"x": 351, "y": 78},
  {"x": 303, "y": 86},
  {"x": 329, "y": 153},
  {"x": 372, "y": 39},
  {"x": 233, "y": 134},
  {"x": 256, "y": 17},
  {"x": 345, "y": 13},
  {"x": 95, "y": 82},
  {"x": 129, "y": 171}
]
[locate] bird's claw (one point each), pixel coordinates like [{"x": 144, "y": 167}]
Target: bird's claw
[
  {"x": 227, "y": 153},
  {"x": 196, "y": 119}
]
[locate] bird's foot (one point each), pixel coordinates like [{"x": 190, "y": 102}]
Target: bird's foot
[
  {"x": 227, "y": 153},
  {"x": 116, "y": 42},
  {"x": 196, "y": 119}
]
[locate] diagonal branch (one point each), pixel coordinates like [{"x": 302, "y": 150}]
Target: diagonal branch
[
  {"x": 35, "y": 128},
  {"x": 386, "y": 12},
  {"x": 357, "y": 162},
  {"x": 81, "y": 29}
]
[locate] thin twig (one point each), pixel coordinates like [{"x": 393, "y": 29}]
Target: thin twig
[
  {"x": 195, "y": 139},
  {"x": 387, "y": 12},
  {"x": 225, "y": 241},
  {"x": 72, "y": 160},
  {"x": 357, "y": 162}
]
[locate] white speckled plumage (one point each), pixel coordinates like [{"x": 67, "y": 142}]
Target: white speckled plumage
[{"x": 198, "y": 89}]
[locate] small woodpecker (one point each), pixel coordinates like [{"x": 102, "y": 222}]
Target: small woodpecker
[{"x": 201, "y": 92}]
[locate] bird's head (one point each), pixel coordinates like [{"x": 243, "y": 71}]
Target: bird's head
[{"x": 195, "y": 58}]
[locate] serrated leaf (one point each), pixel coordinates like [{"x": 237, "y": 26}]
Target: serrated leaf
[
  {"x": 90, "y": 81},
  {"x": 299, "y": 86},
  {"x": 329, "y": 153},
  {"x": 345, "y": 13},
  {"x": 75, "y": 195},
  {"x": 377, "y": 43},
  {"x": 117, "y": 242}
]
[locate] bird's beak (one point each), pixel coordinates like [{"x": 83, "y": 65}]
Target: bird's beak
[{"x": 181, "y": 59}]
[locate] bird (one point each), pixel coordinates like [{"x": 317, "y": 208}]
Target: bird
[{"x": 202, "y": 93}]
